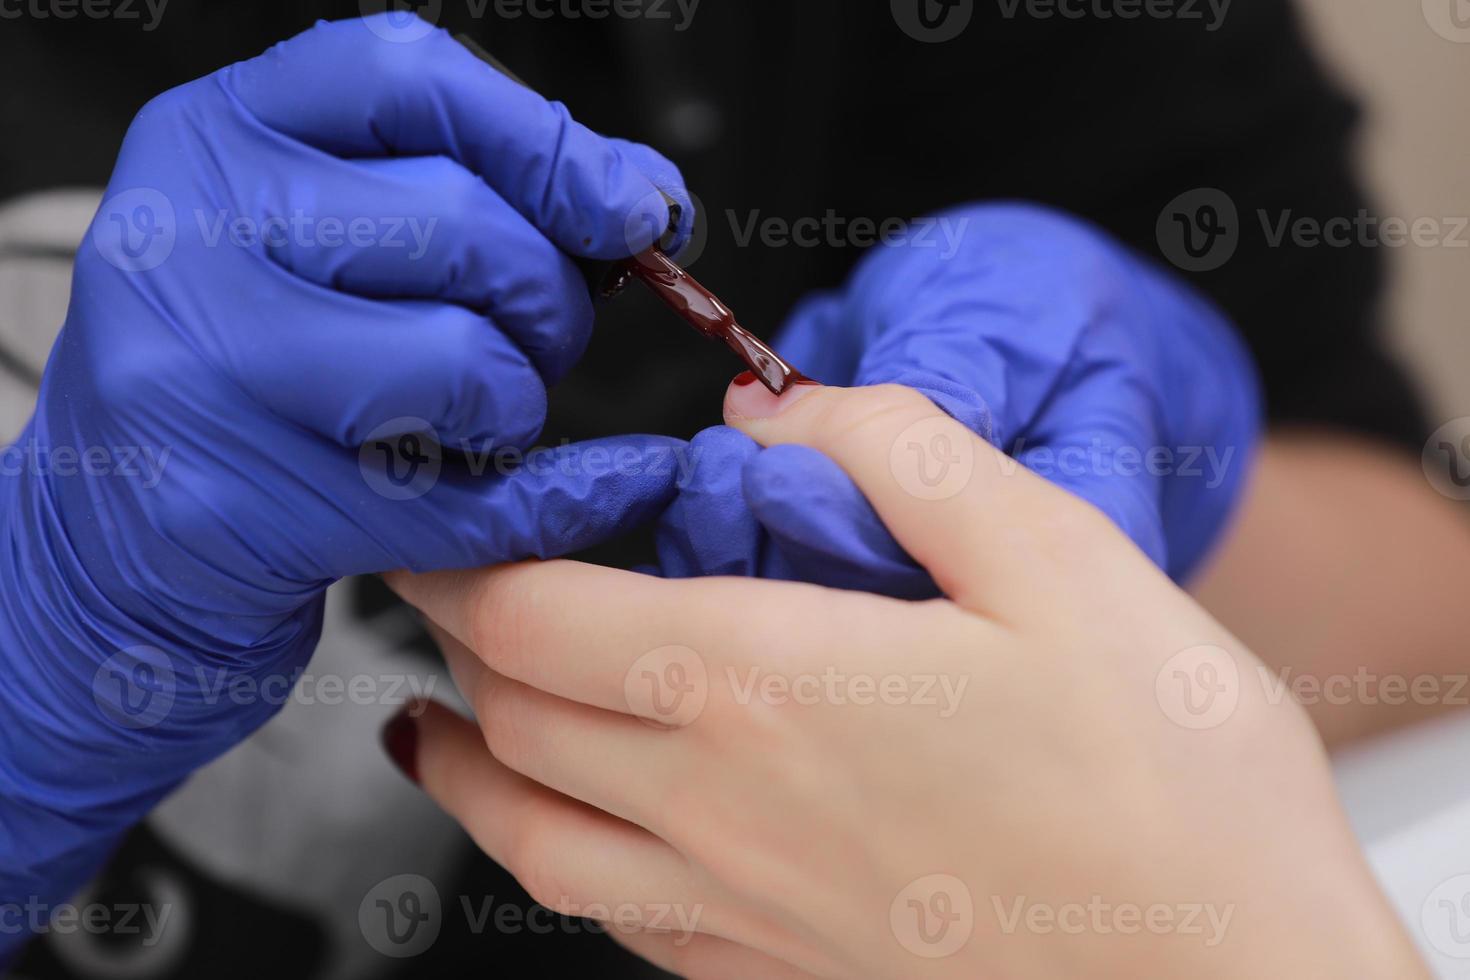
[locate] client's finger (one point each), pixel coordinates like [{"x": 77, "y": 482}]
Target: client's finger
[
  {"x": 570, "y": 857},
  {"x": 612, "y": 761},
  {"x": 617, "y": 640}
]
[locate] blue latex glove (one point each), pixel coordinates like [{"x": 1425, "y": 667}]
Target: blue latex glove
[
  {"x": 246, "y": 401},
  {"x": 1041, "y": 335}
]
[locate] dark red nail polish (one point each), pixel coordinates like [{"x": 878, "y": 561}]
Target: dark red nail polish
[
  {"x": 744, "y": 378},
  {"x": 401, "y": 742}
]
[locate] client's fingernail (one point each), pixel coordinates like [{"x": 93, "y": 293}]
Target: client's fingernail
[
  {"x": 749, "y": 399},
  {"x": 401, "y": 742}
]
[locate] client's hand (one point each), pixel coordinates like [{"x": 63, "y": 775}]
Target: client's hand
[{"x": 1027, "y": 779}]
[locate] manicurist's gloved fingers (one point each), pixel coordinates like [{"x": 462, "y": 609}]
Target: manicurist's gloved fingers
[
  {"x": 429, "y": 511},
  {"x": 1099, "y": 439},
  {"x": 825, "y": 529},
  {"x": 425, "y": 227},
  {"x": 347, "y": 89},
  {"x": 345, "y": 367},
  {"x": 984, "y": 315},
  {"x": 783, "y": 513},
  {"x": 708, "y": 530},
  {"x": 666, "y": 177}
]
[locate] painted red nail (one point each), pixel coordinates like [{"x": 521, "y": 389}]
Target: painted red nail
[
  {"x": 401, "y": 742},
  {"x": 744, "y": 378}
]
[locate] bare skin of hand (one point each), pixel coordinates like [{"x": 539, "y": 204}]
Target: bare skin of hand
[{"x": 1065, "y": 768}]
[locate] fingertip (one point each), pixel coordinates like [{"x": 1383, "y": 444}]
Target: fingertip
[
  {"x": 501, "y": 405},
  {"x": 747, "y": 401},
  {"x": 666, "y": 184},
  {"x": 400, "y": 739},
  {"x": 436, "y": 749},
  {"x": 645, "y": 221}
]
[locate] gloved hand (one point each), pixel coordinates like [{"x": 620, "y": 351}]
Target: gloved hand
[
  {"x": 1087, "y": 364},
  {"x": 310, "y": 269}
]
